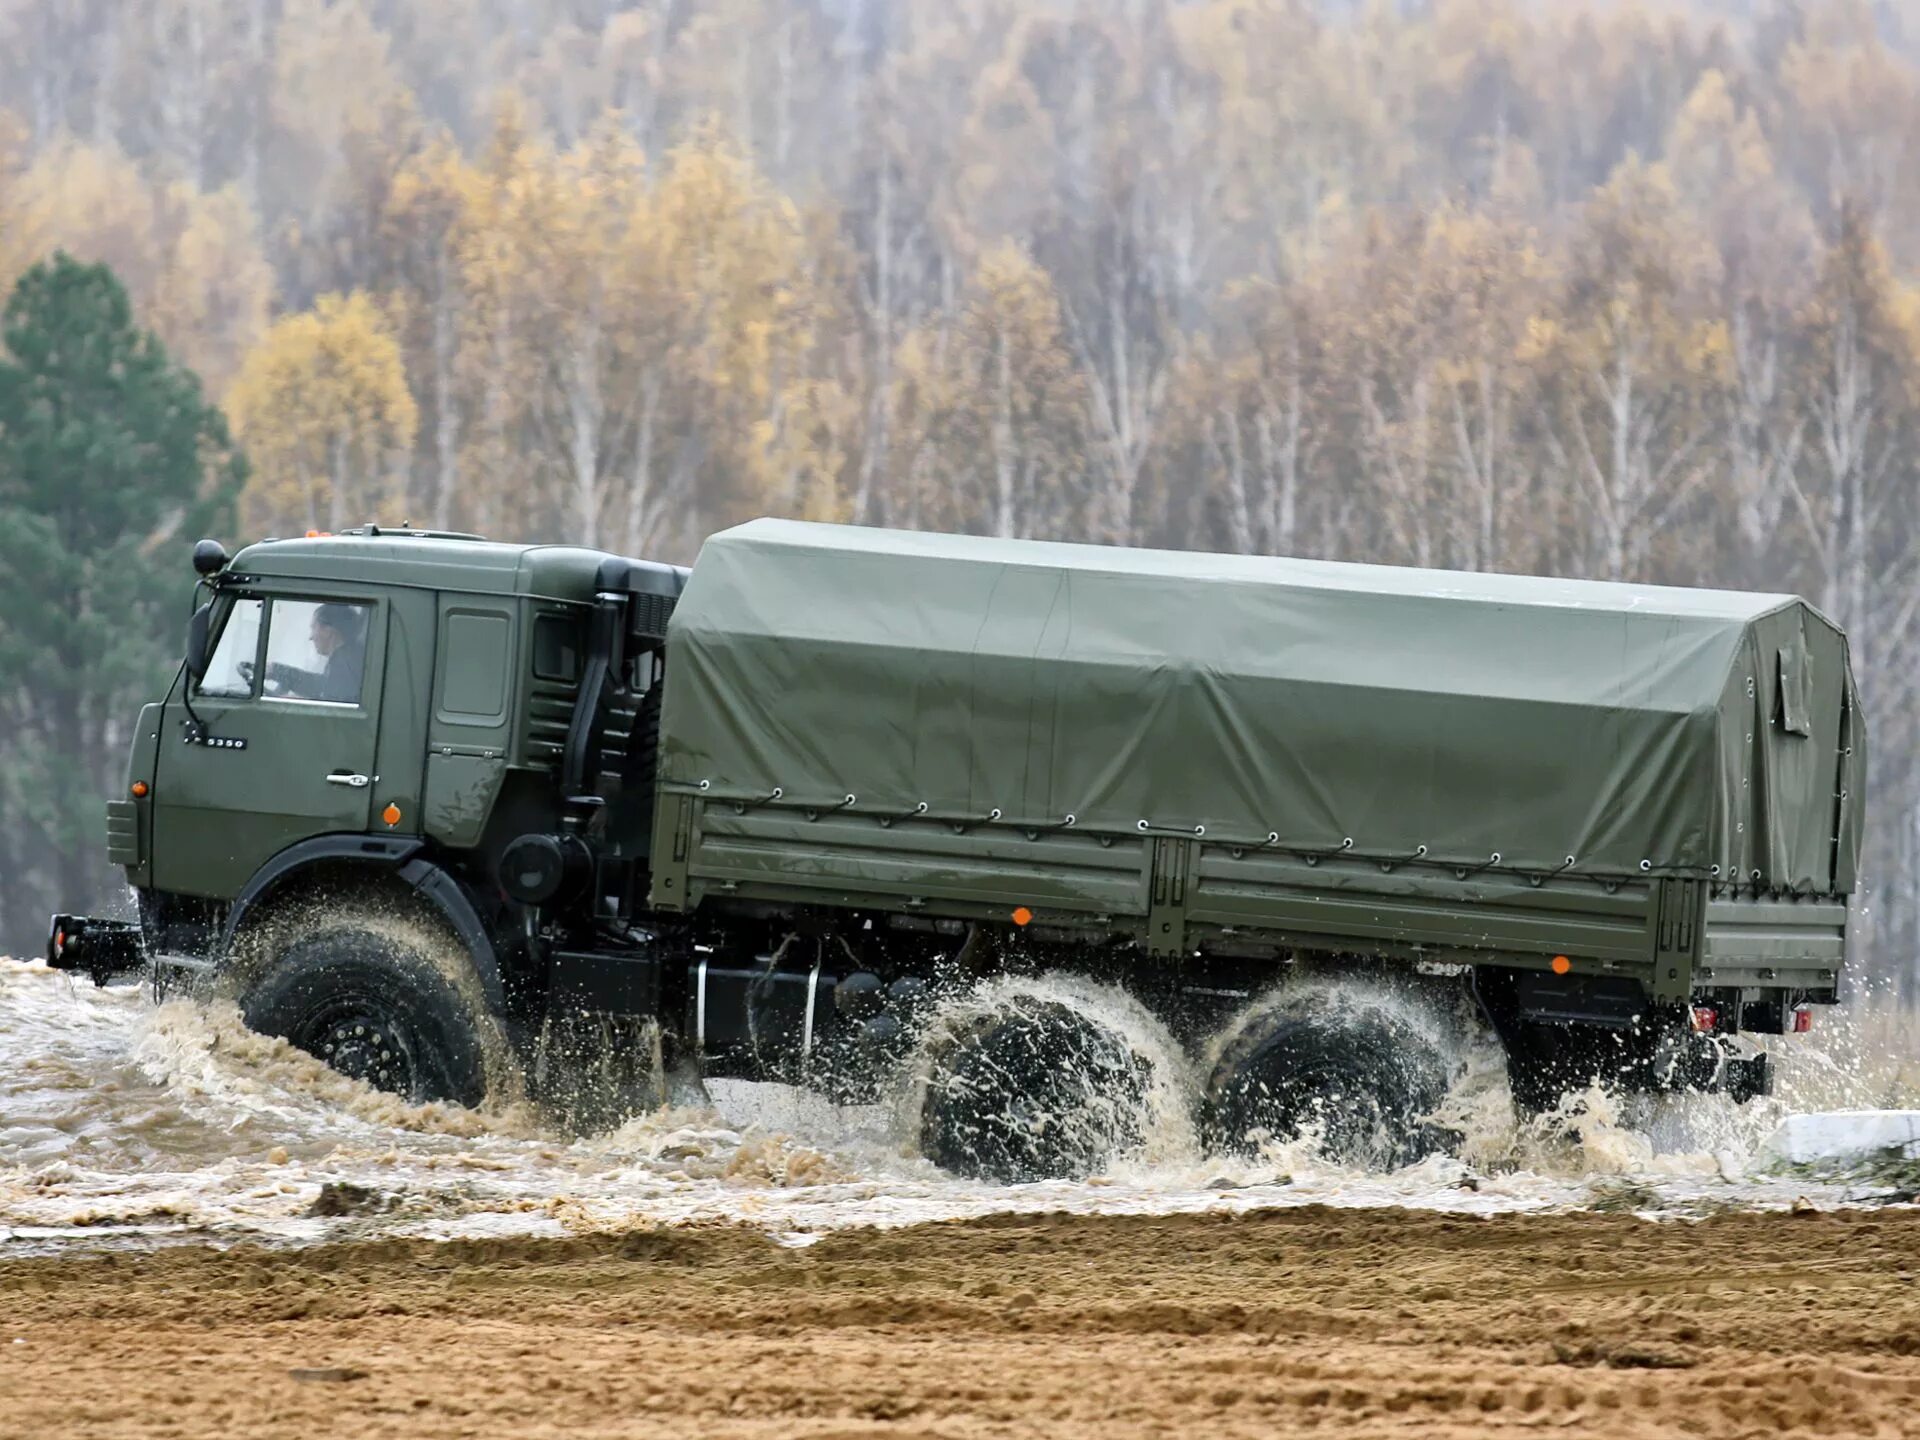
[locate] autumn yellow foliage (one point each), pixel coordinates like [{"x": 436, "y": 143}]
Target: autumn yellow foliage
[{"x": 323, "y": 410}]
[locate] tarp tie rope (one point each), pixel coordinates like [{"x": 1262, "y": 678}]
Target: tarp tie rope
[
  {"x": 1065, "y": 822},
  {"x": 887, "y": 821},
  {"x": 962, "y": 826},
  {"x": 1537, "y": 878},
  {"x": 1461, "y": 872},
  {"x": 1314, "y": 857}
]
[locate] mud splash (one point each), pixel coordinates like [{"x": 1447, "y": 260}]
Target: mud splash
[
  {"x": 125, "y": 1124},
  {"x": 1150, "y": 1130}
]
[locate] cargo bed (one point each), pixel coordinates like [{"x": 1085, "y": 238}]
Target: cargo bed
[{"x": 1209, "y": 755}]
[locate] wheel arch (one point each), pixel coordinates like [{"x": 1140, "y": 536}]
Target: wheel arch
[{"x": 397, "y": 865}]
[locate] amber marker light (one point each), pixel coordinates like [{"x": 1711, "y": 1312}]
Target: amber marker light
[
  {"x": 1561, "y": 964},
  {"x": 139, "y": 789},
  {"x": 1022, "y": 916},
  {"x": 391, "y": 815}
]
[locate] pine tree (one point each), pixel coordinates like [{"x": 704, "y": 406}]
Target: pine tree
[{"x": 110, "y": 462}]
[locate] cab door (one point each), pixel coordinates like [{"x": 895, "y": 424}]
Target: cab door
[{"x": 288, "y": 728}]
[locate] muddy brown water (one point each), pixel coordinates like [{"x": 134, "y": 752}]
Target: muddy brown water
[
  {"x": 203, "y": 1231},
  {"x": 126, "y": 1124}
]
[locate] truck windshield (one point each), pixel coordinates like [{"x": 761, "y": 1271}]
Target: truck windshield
[{"x": 230, "y": 671}]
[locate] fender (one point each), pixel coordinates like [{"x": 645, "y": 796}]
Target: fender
[{"x": 394, "y": 855}]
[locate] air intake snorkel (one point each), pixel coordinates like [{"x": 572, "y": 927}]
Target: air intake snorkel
[
  {"x": 634, "y": 600},
  {"x": 600, "y": 684}
]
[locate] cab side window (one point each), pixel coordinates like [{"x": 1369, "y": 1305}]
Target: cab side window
[
  {"x": 317, "y": 651},
  {"x": 230, "y": 671}
]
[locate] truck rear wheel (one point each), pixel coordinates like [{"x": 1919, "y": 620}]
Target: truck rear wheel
[
  {"x": 373, "y": 1006},
  {"x": 1034, "y": 1093},
  {"x": 1364, "y": 1079}
]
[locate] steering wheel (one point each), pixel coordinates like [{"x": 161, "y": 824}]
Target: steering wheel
[{"x": 274, "y": 684}]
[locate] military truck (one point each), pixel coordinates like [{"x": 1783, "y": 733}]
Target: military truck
[{"x": 454, "y": 815}]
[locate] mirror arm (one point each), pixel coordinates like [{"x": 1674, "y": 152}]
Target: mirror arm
[{"x": 196, "y": 727}]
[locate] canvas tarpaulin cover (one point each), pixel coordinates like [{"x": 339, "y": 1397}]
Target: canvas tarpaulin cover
[{"x": 1558, "y": 724}]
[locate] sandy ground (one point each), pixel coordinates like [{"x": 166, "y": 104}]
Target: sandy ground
[{"x": 1348, "y": 1322}]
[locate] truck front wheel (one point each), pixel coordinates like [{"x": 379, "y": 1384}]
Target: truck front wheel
[{"x": 375, "y": 1007}]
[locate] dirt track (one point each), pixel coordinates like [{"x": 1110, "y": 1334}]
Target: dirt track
[{"x": 1365, "y": 1322}]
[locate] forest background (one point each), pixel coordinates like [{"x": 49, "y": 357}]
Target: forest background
[{"x": 1626, "y": 290}]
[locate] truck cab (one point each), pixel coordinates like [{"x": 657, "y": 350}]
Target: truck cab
[{"x": 401, "y": 686}]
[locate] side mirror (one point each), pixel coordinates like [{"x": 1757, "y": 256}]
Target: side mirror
[
  {"x": 198, "y": 630},
  {"x": 209, "y": 557}
]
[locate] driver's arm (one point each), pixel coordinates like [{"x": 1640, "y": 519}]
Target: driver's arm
[{"x": 302, "y": 684}]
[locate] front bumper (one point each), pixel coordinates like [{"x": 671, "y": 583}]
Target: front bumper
[{"x": 98, "y": 949}]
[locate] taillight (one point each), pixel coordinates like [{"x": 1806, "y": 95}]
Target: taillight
[{"x": 1802, "y": 1019}]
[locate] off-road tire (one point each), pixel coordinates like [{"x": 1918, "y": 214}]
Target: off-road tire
[
  {"x": 1367, "y": 1079},
  {"x": 1031, "y": 1094},
  {"x": 372, "y": 1006}
]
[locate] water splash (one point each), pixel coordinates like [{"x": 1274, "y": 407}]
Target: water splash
[
  {"x": 1150, "y": 1126},
  {"x": 126, "y": 1123}
]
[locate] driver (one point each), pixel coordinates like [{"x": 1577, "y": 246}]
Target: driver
[{"x": 339, "y": 640}]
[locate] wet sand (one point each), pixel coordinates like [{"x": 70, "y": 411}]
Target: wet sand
[{"x": 1348, "y": 1322}]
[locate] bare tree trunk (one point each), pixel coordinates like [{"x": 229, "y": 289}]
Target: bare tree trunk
[
  {"x": 446, "y": 417},
  {"x": 584, "y": 407},
  {"x": 1759, "y": 455},
  {"x": 342, "y": 475},
  {"x": 880, "y": 319},
  {"x": 1223, "y": 439},
  {"x": 486, "y": 510},
  {"x": 1005, "y": 462},
  {"x": 1401, "y": 450},
  {"x": 1478, "y": 459},
  {"x": 641, "y": 520},
  {"x": 1278, "y": 433}
]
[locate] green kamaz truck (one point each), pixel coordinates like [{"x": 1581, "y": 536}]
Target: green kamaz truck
[{"x": 456, "y": 815}]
